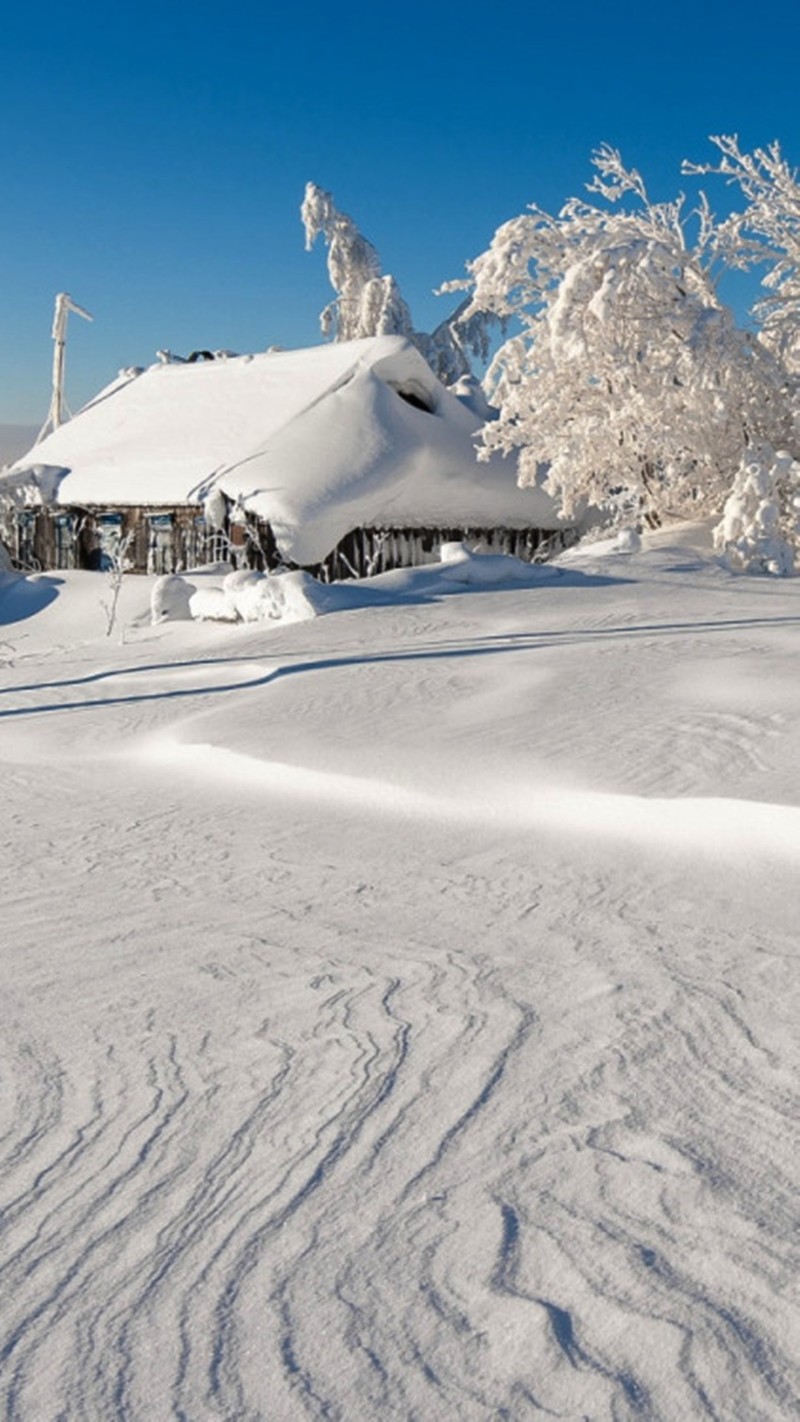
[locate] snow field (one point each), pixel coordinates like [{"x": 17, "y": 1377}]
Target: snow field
[{"x": 400, "y": 1007}]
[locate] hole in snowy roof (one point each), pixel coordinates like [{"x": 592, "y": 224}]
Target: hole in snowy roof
[{"x": 415, "y": 395}]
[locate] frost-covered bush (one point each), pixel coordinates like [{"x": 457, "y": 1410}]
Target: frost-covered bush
[{"x": 760, "y": 523}]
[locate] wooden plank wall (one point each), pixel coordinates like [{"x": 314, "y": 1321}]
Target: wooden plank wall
[{"x": 186, "y": 542}]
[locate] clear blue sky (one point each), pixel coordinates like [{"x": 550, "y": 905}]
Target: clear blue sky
[{"x": 154, "y": 156}]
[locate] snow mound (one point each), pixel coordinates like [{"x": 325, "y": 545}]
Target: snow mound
[
  {"x": 248, "y": 596},
  {"x": 284, "y": 597},
  {"x": 213, "y": 605},
  {"x": 461, "y": 564},
  {"x": 297, "y": 596},
  {"x": 628, "y": 540},
  {"x": 170, "y": 599}
]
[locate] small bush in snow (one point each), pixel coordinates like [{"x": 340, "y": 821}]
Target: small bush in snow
[{"x": 119, "y": 565}]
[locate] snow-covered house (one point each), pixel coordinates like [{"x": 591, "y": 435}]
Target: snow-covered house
[{"x": 347, "y": 458}]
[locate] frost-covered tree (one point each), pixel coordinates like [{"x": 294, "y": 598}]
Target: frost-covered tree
[
  {"x": 760, "y": 529},
  {"x": 367, "y": 303},
  {"x": 450, "y": 345},
  {"x": 765, "y": 232},
  {"x": 758, "y": 532},
  {"x": 628, "y": 383}
]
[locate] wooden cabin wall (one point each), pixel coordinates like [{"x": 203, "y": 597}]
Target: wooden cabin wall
[
  {"x": 170, "y": 540},
  {"x": 164, "y": 540},
  {"x": 368, "y": 551}
]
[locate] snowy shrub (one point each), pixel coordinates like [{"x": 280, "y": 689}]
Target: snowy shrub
[
  {"x": 170, "y": 599},
  {"x": 119, "y": 563},
  {"x": 760, "y": 523}
]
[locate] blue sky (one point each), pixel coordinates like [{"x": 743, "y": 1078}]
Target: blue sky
[{"x": 154, "y": 157}]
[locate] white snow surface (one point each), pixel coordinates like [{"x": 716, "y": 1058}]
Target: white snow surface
[
  {"x": 400, "y": 1007},
  {"x": 316, "y": 441}
]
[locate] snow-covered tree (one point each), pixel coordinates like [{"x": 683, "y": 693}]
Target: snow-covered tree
[
  {"x": 368, "y": 303},
  {"x": 451, "y": 344},
  {"x": 766, "y": 232},
  {"x": 628, "y": 383},
  {"x": 758, "y": 532},
  {"x": 760, "y": 529}
]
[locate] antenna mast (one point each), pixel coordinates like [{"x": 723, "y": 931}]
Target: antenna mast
[{"x": 55, "y": 415}]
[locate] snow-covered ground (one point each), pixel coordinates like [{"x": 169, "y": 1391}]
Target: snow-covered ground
[{"x": 400, "y": 1007}]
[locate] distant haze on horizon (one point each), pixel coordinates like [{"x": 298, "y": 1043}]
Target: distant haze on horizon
[
  {"x": 156, "y": 157},
  {"x": 15, "y": 440}
]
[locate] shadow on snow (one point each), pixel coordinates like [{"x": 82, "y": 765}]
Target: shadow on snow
[
  {"x": 499, "y": 644},
  {"x": 22, "y": 597}
]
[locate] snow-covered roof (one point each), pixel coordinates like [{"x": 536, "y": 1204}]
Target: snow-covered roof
[{"x": 316, "y": 441}]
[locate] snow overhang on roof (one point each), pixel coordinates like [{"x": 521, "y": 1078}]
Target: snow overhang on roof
[{"x": 316, "y": 441}]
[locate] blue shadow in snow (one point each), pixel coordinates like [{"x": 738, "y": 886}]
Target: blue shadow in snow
[
  {"x": 22, "y": 597},
  {"x": 497, "y": 645}
]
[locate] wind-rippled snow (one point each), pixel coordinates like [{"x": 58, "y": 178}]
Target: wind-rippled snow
[{"x": 400, "y": 1009}]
